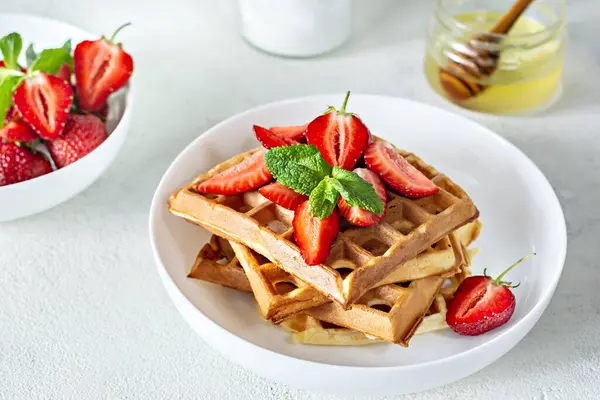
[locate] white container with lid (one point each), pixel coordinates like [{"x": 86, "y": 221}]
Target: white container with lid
[{"x": 296, "y": 28}]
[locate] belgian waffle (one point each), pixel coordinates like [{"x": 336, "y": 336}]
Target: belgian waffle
[
  {"x": 280, "y": 294},
  {"x": 409, "y": 228}
]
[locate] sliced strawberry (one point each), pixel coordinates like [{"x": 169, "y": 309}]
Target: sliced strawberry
[
  {"x": 481, "y": 304},
  {"x": 83, "y": 134},
  {"x": 44, "y": 102},
  {"x": 282, "y": 195},
  {"x": 399, "y": 174},
  {"x": 101, "y": 68},
  {"x": 64, "y": 72},
  {"x": 341, "y": 137},
  {"x": 248, "y": 175},
  {"x": 270, "y": 140},
  {"x": 314, "y": 236},
  {"x": 16, "y": 130},
  {"x": 358, "y": 216},
  {"x": 295, "y": 132},
  {"x": 18, "y": 164}
]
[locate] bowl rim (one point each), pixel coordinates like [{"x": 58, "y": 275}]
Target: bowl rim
[
  {"x": 128, "y": 109},
  {"x": 530, "y": 316}
]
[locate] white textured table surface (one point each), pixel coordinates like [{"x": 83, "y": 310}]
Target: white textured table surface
[{"x": 82, "y": 311}]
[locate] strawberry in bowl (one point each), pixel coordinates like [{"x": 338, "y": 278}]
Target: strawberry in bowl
[{"x": 64, "y": 115}]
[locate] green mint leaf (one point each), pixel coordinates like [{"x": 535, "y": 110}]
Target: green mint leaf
[
  {"x": 30, "y": 55},
  {"x": 50, "y": 60},
  {"x": 323, "y": 198},
  {"x": 299, "y": 167},
  {"x": 357, "y": 192},
  {"x": 7, "y": 87},
  {"x": 11, "y": 46}
]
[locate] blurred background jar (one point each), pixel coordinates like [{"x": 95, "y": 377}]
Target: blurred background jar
[
  {"x": 527, "y": 74},
  {"x": 296, "y": 28}
]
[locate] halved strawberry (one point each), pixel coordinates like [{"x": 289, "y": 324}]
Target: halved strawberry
[
  {"x": 248, "y": 175},
  {"x": 16, "y": 130},
  {"x": 399, "y": 174},
  {"x": 282, "y": 195},
  {"x": 270, "y": 140},
  {"x": 481, "y": 304},
  {"x": 341, "y": 137},
  {"x": 294, "y": 132},
  {"x": 44, "y": 102},
  {"x": 314, "y": 236},
  {"x": 101, "y": 68},
  {"x": 358, "y": 216}
]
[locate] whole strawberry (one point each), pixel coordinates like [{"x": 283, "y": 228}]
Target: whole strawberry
[
  {"x": 18, "y": 164},
  {"x": 481, "y": 304},
  {"x": 82, "y": 134}
]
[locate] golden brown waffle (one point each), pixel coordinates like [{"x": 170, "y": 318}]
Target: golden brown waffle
[
  {"x": 280, "y": 294},
  {"x": 307, "y": 329},
  {"x": 409, "y": 228}
]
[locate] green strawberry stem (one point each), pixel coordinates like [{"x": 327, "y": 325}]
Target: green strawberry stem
[
  {"x": 114, "y": 35},
  {"x": 343, "y": 109},
  {"x": 498, "y": 280}
]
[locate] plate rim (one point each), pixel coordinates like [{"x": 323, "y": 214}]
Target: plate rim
[{"x": 532, "y": 315}]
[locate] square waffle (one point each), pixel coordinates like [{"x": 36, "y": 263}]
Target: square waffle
[
  {"x": 409, "y": 228},
  {"x": 280, "y": 294}
]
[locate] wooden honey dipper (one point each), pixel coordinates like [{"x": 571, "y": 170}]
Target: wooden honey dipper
[{"x": 465, "y": 67}]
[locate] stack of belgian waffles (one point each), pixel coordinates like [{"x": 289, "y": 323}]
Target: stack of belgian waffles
[{"x": 386, "y": 282}]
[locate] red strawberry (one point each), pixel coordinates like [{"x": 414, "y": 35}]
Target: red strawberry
[
  {"x": 248, "y": 175},
  {"x": 270, "y": 140},
  {"x": 295, "y": 132},
  {"x": 341, "y": 137},
  {"x": 18, "y": 164},
  {"x": 314, "y": 236},
  {"x": 282, "y": 195},
  {"x": 17, "y": 130},
  {"x": 44, "y": 102},
  {"x": 64, "y": 72},
  {"x": 83, "y": 133},
  {"x": 481, "y": 304},
  {"x": 358, "y": 216},
  {"x": 101, "y": 68},
  {"x": 399, "y": 174}
]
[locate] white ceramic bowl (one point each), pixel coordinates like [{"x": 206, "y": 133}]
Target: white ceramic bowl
[
  {"x": 39, "y": 194},
  {"x": 519, "y": 210}
]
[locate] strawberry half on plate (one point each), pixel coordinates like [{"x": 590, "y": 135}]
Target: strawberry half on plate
[
  {"x": 399, "y": 174},
  {"x": 248, "y": 175}
]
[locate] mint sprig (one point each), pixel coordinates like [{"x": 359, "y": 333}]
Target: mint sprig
[
  {"x": 303, "y": 169},
  {"x": 299, "y": 167}
]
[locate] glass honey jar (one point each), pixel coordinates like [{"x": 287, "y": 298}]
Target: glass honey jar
[{"x": 509, "y": 73}]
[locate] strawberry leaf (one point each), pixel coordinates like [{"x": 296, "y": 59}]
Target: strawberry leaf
[
  {"x": 357, "y": 192},
  {"x": 7, "y": 87},
  {"x": 11, "y": 46},
  {"x": 30, "y": 55},
  {"x": 299, "y": 167},
  {"x": 323, "y": 198},
  {"x": 50, "y": 60}
]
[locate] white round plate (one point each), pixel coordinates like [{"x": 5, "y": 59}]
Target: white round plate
[{"x": 520, "y": 215}]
